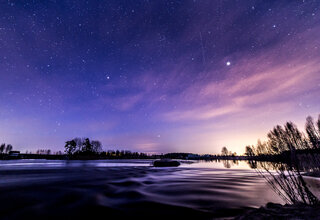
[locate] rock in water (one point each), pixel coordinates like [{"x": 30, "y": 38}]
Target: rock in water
[{"x": 166, "y": 163}]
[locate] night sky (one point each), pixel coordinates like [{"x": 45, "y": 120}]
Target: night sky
[{"x": 156, "y": 76}]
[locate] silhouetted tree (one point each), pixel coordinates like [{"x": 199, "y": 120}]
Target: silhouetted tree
[
  {"x": 224, "y": 151},
  {"x": 249, "y": 151},
  {"x": 287, "y": 138},
  {"x": 2, "y": 148},
  {"x": 313, "y": 134},
  {"x": 70, "y": 147},
  {"x": 96, "y": 146},
  {"x": 79, "y": 144},
  {"x": 87, "y": 146},
  {"x": 261, "y": 148},
  {"x": 9, "y": 148}
]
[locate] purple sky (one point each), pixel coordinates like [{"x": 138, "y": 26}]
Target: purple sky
[{"x": 156, "y": 76}]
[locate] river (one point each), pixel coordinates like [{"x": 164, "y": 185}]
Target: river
[{"x": 51, "y": 189}]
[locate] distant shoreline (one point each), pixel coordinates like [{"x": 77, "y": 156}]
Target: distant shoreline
[
  {"x": 284, "y": 157},
  {"x": 182, "y": 156}
]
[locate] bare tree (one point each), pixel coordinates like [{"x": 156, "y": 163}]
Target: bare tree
[
  {"x": 261, "y": 148},
  {"x": 9, "y": 148},
  {"x": 96, "y": 146},
  {"x": 249, "y": 151},
  {"x": 2, "y": 148},
  {"x": 313, "y": 134},
  {"x": 224, "y": 151}
]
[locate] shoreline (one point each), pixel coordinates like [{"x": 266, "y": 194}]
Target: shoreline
[
  {"x": 278, "y": 211},
  {"x": 183, "y": 156}
]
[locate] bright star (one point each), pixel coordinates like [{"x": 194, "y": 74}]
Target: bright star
[{"x": 228, "y": 63}]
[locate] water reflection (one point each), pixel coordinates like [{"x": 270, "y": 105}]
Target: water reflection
[
  {"x": 220, "y": 164},
  {"x": 230, "y": 163},
  {"x": 288, "y": 181}
]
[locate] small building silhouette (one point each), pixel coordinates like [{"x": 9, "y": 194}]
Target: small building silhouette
[{"x": 14, "y": 154}]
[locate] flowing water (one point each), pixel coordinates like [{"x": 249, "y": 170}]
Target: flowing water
[{"x": 51, "y": 189}]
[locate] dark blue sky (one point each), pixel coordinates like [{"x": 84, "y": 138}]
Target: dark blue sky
[{"x": 156, "y": 76}]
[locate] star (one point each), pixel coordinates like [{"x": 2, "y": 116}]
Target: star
[{"x": 228, "y": 63}]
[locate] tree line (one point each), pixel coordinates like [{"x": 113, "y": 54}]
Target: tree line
[
  {"x": 288, "y": 138},
  {"x": 5, "y": 148}
]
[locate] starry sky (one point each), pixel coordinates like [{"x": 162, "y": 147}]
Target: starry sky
[{"x": 156, "y": 76}]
